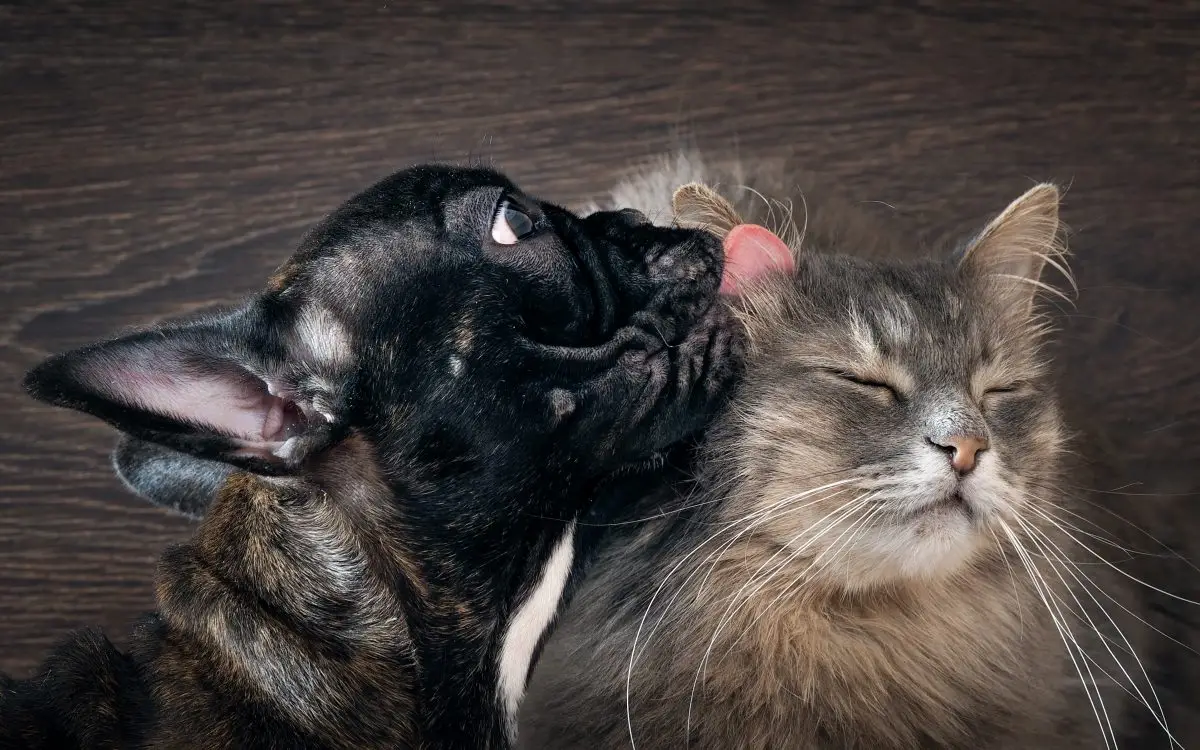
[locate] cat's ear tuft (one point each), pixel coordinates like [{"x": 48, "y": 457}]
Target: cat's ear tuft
[
  {"x": 1016, "y": 246},
  {"x": 751, "y": 251},
  {"x": 206, "y": 389},
  {"x": 698, "y": 205}
]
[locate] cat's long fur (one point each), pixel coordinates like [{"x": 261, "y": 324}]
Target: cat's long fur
[
  {"x": 406, "y": 425},
  {"x": 698, "y": 625}
]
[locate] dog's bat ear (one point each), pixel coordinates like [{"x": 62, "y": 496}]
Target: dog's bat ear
[
  {"x": 178, "y": 482},
  {"x": 233, "y": 388}
]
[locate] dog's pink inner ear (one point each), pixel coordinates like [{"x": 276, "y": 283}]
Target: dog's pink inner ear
[
  {"x": 218, "y": 396},
  {"x": 751, "y": 251}
]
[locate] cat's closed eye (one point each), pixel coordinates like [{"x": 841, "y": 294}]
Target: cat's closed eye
[
  {"x": 511, "y": 223},
  {"x": 864, "y": 382},
  {"x": 1000, "y": 391}
]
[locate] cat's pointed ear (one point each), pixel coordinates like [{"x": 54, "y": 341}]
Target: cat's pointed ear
[
  {"x": 1015, "y": 247},
  {"x": 698, "y": 205},
  {"x": 750, "y": 252},
  {"x": 176, "y": 481},
  {"x": 223, "y": 389}
]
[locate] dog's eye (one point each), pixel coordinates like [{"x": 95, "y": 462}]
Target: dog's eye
[{"x": 511, "y": 224}]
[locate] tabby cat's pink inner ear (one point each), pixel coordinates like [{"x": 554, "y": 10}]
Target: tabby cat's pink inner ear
[{"x": 750, "y": 251}]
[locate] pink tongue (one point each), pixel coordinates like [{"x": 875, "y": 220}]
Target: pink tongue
[{"x": 750, "y": 251}]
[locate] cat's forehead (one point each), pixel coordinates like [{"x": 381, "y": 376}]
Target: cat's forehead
[
  {"x": 893, "y": 307},
  {"x": 922, "y": 317},
  {"x": 911, "y": 311}
]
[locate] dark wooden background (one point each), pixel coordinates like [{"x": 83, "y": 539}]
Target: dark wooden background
[{"x": 157, "y": 158}]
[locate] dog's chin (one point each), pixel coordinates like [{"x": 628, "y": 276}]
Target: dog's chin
[{"x": 706, "y": 353}]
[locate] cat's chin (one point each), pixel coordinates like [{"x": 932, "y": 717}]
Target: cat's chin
[{"x": 938, "y": 543}]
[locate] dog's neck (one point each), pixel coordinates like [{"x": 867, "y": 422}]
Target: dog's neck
[{"x": 427, "y": 632}]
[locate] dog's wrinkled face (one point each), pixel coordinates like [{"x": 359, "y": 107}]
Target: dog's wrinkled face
[{"x": 469, "y": 331}]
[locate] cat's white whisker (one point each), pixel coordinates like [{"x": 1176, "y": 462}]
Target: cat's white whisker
[
  {"x": 1127, "y": 610},
  {"x": 817, "y": 529},
  {"x": 767, "y": 518},
  {"x": 1055, "y": 554},
  {"x": 1170, "y": 551},
  {"x": 805, "y": 575},
  {"x": 649, "y": 607},
  {"x": 1131, "y": 577},
  {"x": 1060, "y": 627},
  {"x": 755, "y": 519},
  {"x": 1131, "y": 613},
  {"x": 841, "y": 514},
  {"x": 1108, "y": 542},
  {"x": 1012, "y": 575},
  {"x": 1064, "y": 632}
]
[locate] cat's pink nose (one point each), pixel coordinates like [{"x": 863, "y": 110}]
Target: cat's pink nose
[{"x": 962, "y": 449}]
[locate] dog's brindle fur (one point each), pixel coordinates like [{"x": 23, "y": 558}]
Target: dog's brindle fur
[{"x": 404, "y": 425}]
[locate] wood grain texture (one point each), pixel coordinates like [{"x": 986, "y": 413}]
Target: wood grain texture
[{"x": 157, "y": 159}]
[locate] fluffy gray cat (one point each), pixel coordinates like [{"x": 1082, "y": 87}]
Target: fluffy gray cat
[{"x": 888, "y": 542}]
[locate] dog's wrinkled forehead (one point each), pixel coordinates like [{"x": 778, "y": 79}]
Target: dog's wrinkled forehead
[
  {"x": 410, "y": 258},
  {"x": 393, "y": 232}
]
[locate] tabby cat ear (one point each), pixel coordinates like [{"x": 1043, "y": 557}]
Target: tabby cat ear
[
  {"x": 216, "y": 389},
  {"x": 696, "y": 204},
  {"x": 1014, "y": 248},
  {"x": 750, "y": 250}
]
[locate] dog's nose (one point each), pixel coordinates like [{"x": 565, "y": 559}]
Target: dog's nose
[{"x": 962, "y": 449}]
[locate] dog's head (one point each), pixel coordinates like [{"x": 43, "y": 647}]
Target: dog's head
[
  {"x": 478, "y": 339},
  {"x": 458, "y": 361}
]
